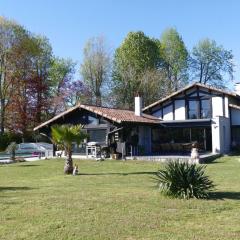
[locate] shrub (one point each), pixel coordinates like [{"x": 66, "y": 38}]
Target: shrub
[
  {"x": 7, "y": 138},
  {"x": 184, "y": 180}
]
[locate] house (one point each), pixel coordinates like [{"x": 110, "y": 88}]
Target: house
[{"x": 197, "y": 113}]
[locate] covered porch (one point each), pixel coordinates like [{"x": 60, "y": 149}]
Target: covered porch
[
  {"x": 170, "y": 138},
  {"x": 177, "y": 137}
]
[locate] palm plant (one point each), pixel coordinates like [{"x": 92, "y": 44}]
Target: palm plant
[
  {"x": 63, "y": 136},
  {"x": 184, "y": 180}
]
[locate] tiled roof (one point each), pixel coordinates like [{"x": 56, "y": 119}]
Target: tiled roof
[
  {"x": 188, "y": 87},
  {"x": 116, "y": 115},
  {"x": 121, "y": 115}
]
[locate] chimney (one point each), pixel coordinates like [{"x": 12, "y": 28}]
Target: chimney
[
  {"x": 138, "y": 106},
  {"x": 237, "y": 88}
]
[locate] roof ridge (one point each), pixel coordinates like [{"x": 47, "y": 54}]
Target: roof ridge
[
  {"x": 188, "y": 87},
  {"x": 115, "y": 108}
]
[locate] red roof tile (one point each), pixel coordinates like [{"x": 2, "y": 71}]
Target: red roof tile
[{"x": 116, "y": 115}]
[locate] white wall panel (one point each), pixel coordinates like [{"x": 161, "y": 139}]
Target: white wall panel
[
  {"x": 167, "y": 113},
  {"x": 180, "y": 110}
]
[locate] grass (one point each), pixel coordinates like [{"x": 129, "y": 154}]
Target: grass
[{"x": 113, "y": 200}]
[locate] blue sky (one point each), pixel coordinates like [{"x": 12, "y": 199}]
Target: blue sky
[{"x": 69, "y": 24}]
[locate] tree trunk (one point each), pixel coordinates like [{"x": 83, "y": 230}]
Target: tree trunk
[
  {"x": 98, "y": 99},
  {"x": 2, "y": 120},
  {"x": 68, "y": 168},
  {"x": 13, "y": 155}
]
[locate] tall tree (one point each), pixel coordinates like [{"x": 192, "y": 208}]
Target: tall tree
[
  {"x": 30, "y": 84},
  {"x": 42, "y": 63},
  {"x": 96, "y": 67},
  {"x": 11, "y": 36},
  {"x": 211, "y": 63},
  {"x": 175, "y": 58},
  {"x": 60, "y": 77},
  {"x": 138, "y": 53},
  {"x": 152, "y": 83}
]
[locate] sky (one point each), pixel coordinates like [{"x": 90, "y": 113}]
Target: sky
[{"x": 68, "y": 24}]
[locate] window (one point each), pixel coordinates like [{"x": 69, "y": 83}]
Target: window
[
  {"x": 205, "y": 108},
  {"x": 156, "y": 135},
  {"x": 236, "y": 135},
  {"x": 192, "y": 109},
  {"x": 97, "y": 135},
  {"x": 93, "y": 120}
]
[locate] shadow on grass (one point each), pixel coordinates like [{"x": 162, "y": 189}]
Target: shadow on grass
[
  {"x": 211, "y": 159},
  {"x": 234, "y": 153},
  {"x": 224, "y": 195},
  {"x": 122, "y": 174},
  {"x": 2, "y": 189}
]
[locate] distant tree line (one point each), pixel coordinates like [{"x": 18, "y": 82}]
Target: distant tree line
[
  {"x": 35, "y": 84},
  {"x": 151, "y": 67}
]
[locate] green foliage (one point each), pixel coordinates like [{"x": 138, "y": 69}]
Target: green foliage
[
  {"x": 211, "y": 63},
  {"x": 65, "y": 135},
  {"x": 7, "y": 138},
  {"x": 175, "y": 58},
  {"x": 138, "y": 51},
  {"x": 184, "y": 180},
  {"x": 137, "y": 54},
  {"x": 60, "y": 69}
]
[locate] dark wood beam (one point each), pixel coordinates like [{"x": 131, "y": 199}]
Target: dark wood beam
[{"x": 173, "y": 109}]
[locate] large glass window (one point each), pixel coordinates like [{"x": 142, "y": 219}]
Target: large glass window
[
  {"x": 236, "y": 135},
  {"x": 97, "y": 135},
  {"x": 192, "y": 109},
  {"x": 93, "y": 120},
  {"x": 205, "y": 108}
]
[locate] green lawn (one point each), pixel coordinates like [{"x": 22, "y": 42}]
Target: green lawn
[{"x": 113, "y": 200}]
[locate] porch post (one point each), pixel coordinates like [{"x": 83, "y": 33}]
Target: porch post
[
  {"x": 205, "y": 139},
  {"x": 216, "y": 138}
]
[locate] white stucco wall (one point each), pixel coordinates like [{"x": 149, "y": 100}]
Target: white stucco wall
[
  {"x": 167, "y": 113},
  {"x": 221, "y": 135},
  {"x": 226, "y": 107},
  {"x": 217, "y": 106},
  {"x": 235, "y": 115},
  {"x": 180, "y": 110}
]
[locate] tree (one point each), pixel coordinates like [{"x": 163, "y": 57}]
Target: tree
[
  {"x": 64, "y": 136},
  {"x": 175, "y": 59},
  {"x": 11, "y": 37},
  {"x": 211, "y": 63},
  {"x": 42, "y": 63},
  {"x": 77, "y": 92},
  {"x": 60, "y": 78},
  {"x": 96, "y": 67},
  {"x": 30, "y": 83},
  {"x": 138, "y": 53},
  {"x": 152, "y": 85}
]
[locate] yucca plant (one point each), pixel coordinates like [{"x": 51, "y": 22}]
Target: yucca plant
[
  {"x": 184, "y": 180},
  {"x": 64, "y": 136}
]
